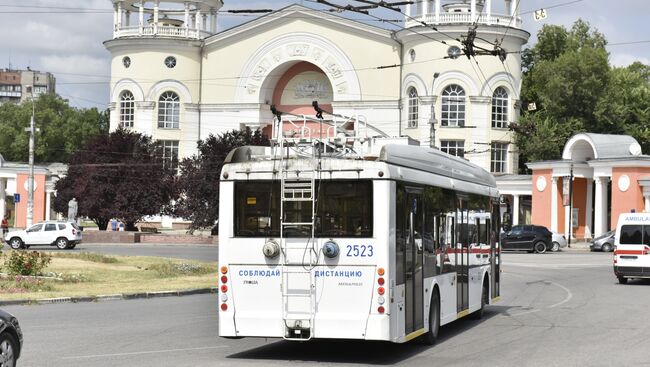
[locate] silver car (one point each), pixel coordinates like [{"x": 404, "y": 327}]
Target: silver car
[
  {"x": 558, "y": 242},
  {"x": 604, "y": 242}
]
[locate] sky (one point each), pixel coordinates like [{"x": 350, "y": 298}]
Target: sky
[{"x": 65, "y": 37}]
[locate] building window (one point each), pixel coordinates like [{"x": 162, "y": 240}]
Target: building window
[
  {"x": 413, "y": 107},
  {"x": 500, "y": 108},
  {"x": 170, "y": 61},
  {"x": 127, "y": 109},
  {"x": 453, "y": 106},
  {"x": 126, "y": 61},
  {"x": 168, "y": 110},
  {"x": 170, "y": 154},
  {"x": 453, "y": 147},
  {"x": 499, "y": 156}
]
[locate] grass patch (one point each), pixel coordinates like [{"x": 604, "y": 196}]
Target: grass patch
[
  {"x": 90, "y": 274},
  {"x": 87, "y": 256}
]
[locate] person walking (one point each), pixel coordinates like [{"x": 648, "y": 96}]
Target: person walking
[
  {"x": 114, "y": 224},
  {"x": 5, "y": 226}
]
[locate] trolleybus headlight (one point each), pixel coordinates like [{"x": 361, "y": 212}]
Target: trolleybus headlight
[
  {"x": 224, "y": 269},
  {"x": 381, "y": 291},
  {"x": 331, "y": 249},
  {"x": 271, "y": 249},
  {"x": 380, "y": 281},
  {"x": 224, "y": 297},
  {"x": 380, "y": 309},
  {"x": 224, "y": 279},
  {"x": 224, "y": 288},
  {"x": 224, "y": 307},
  {"x": 381, "y": 300}
]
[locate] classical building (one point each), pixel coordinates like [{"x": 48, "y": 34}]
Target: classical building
[
  {"x": 16, "y": 85},
  {"x": 176, "y": 79},
  {"x": 13, "y": 191},
  {"x": 598, "y": 178}
]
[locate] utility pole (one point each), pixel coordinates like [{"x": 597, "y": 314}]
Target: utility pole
[{"x": 30, "y": 181}]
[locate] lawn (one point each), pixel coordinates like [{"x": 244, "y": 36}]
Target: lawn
[{"x": 90, "y": 274}]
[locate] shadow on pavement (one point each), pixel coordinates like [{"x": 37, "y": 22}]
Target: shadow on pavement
[{"x": 356, "y": 351}]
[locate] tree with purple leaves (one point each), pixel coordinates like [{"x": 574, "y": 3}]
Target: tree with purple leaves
[
  {"x": 198, "y": 184},
  {"x": 120, "y": 175}
]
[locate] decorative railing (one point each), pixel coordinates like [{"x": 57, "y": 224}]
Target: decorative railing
[
  {"x": 160, "y": 31},
  {"x": 464, "y": 18}
]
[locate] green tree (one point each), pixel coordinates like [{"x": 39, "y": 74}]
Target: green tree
[
  {"x": 566, "y": 75},
  {"x": 198, "y": 184},
  {"x": 62, "y": 129},
  {"x": 121, "y": 175}
]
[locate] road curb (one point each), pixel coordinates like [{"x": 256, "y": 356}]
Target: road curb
[{"x": 109, "y": 297}]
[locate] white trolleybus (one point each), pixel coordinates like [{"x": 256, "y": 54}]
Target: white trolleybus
[{"x": 318, "y": 238}]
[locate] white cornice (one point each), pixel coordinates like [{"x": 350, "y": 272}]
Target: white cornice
[
  {"x": 360, "y": 105},
  {"x": 281, "y": 16},
  {"x": 151, "y": 44}
]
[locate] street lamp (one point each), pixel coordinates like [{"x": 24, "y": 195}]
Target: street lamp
[{"x": 30, "y": 181}]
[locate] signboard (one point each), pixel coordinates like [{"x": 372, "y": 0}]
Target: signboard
[
  {"x": 540, "y": 15},
  {"x": 574, "y": 218},
  {"x": 565, "y": 190},
  {"x": 16, "y": 198}
]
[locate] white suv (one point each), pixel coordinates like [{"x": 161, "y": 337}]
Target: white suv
[{"x": 65, "y": 235}]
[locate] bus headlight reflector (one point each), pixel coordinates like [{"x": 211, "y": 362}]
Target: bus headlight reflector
[
  {"x": 381, "y": 300},
  {"x": 271, "y": 249},
  {"x": 331, "y": 249}
]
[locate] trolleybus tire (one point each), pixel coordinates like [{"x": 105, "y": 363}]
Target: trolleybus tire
[
  {"x": 622, "y": 280},
  {"x": 540, "y": 247},
  {"x": 434, "y": 320}
]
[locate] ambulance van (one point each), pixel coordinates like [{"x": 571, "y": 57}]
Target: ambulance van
[{"x": 632, "y": 253}]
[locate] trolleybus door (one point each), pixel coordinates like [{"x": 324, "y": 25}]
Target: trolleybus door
[
  {"x": 413, "y": 261},
  {"x": 462, "y": 255}
]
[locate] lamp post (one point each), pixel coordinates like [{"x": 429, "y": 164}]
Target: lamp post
[{"x": 30, "y": 180}]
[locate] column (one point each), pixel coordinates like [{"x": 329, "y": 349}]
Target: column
[
  {"x": 213, "y": 21},
  {"x": 408, "y": 11},
  {"x": 472, "y": 7},
  {"x": 508, "y": 6},
  {"x": 488, "y": 10},
  {"x": 554, "y": 209},
  {"x": 128, "y": 18},
  {"x": 515, "y": 210},
  {"x": 48, "y": 205},
  {"x": 119, "y": 14},
  {"x": 588, "y": 209},
  {"x": 600, "y": 206},
  {"x": 115, "y": 14},
  {"x": 515, "y": 8},
  {"x": 646, "y": 203},
  {"x": 199, "y": 23},
  {"x": 436, "y": 5},
  {"x": 204, "y": 22},
  {"x": 426, "y": 9},
  {"x": 187, "y": 19},
  {"x": 567, "y": 222},
  {"x": 141, "y": 18},
  {"x": 156, "y": 6}
]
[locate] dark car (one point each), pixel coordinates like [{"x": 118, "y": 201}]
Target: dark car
[
  {"x": 604, "y": 242},
  {"x": 11, "y": 339},
  {"x": 527, "y": 237}
]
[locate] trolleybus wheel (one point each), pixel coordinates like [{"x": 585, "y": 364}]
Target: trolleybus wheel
[
  {"x": 434, "y": 320},
  {"x": 540, "y": 247},
  {"x": 622, "y": 280}
]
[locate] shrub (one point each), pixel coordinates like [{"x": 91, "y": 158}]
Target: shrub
[
  {"x": 26, "y": 263},
  {"x": 21, "y": 284}
]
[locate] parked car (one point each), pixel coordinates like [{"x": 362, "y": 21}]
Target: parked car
[
  {"x": 604, "y": 242},
  {"x": 559, "y": 242},
  {"x": 527, "y": 237},
  {"x": 11, "y": 339},
  {"x": 63, "y": 235}
]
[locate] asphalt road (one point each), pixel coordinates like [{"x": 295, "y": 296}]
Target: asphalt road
[
  {"x": 176, "y": 251},
  {"x": 563, "y": 309}
]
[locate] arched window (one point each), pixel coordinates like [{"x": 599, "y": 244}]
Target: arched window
[
  {"x": 168, "y": 110},
  {"x": 453, "y": 106},
  {"x": 127, "y": 109},
  {"x": 500, "y": 108},
  {"x": 413, "y": 107}
]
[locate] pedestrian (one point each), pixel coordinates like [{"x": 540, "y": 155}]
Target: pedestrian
[
  {"x": 5, "y": 226},
  {"x": 121, "y": 226},
  {"x": 114, "y": 224}
]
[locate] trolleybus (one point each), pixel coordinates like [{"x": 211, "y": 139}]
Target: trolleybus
[{"x": 386, "y": 247}]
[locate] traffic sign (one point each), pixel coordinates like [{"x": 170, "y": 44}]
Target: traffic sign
[{"x": 16, "y": 198}]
